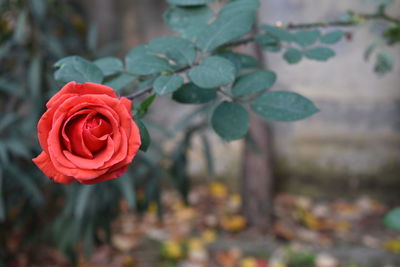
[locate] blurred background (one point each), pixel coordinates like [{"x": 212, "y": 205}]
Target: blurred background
[{"x": 308, "y": 193}]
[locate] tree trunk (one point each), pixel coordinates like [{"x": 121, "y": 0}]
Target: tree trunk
[{"x": 257, "y": 179}]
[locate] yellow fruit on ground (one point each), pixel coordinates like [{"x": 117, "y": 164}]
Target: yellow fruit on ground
[
  {"x": 248, "y": 262},
  {"x": 218, "y": 190},
  {"x": 209, "y": 236},
  {"x": 172, "y": 250},
  {"x": 233, "y": 223}
]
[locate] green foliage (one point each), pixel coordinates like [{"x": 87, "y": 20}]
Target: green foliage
[
  {"x": 283, "y": 106},
  {"x": 332, "y": 37},
  {"x": 299, "y": 43},
  {"x": 188, "y": 21},
  {"x": 189, "y": 2},
  {"x": 383, "y": 64},
  {"x": 269, "y": 42},
  {"x": 109, "y": 65},
  {"x": 392, "y": 219},
  {"x": 139, "y": 61},
  {"x": 392, "y": 34},
  {"x": 278, "y": 33},
  {"x": 301, "y": 259},
  {"x": 179, "y": 50},
  {"x": 319, "y": 53},
  {"x": 165, "y": 84},
  {"x": 293, "y": 55},
  {"x": 212, "y": 72},
  {"x": 230, "y": 121},
  {"x": 144, "y": 107},
  {"x": 144, "y": 135},
  {"x": 234, "y": 20},
  {"x": 253, "y": 82},
  {"x": 306, "y": 37},
  {"x": 192, "y": 94},
  {"x": 77, "y": 69},
  {"x": 121, "y": 81}
]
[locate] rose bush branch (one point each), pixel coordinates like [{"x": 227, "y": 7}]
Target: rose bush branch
[{"x": 354, "y": 20}]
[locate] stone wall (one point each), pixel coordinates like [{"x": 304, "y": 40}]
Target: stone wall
[{"x": 356, "y": 134}]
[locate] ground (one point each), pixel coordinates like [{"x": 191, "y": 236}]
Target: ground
[{"x": 211, "y": 232}]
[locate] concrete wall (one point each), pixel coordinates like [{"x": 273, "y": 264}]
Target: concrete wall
[{"x": 357, "y": 131}]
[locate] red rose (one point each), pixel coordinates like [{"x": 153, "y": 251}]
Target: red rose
[{"x": 87, "y": 134}]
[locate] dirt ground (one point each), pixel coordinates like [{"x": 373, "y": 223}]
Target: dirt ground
[{"x": 211, "y": 232}]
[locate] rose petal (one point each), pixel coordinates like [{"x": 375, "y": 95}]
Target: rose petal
[
  {"x": 82, "y": 89},
  {"x": 71, "y": 131},
  {"x": 46, "y": 166},
  {"x": 134, "y": 143},
  {"x": 45, "y": 124},
  {"x": 127, "y": 103},
  {"x": 105, "y": 177},
  {"x": 97, "y": 161},
  {"x": 60, "y": 162},
  {"x": 95, "y": 132}
]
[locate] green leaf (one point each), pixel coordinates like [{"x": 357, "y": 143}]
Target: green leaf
[
  {"x": 2, "y": 198},
  {"x": 109, "y": 65},
  {"x": 83, "y": 200},
  {"x": 4, "y": 158},
  {"x": 383, "y": 64},
  {"x": 268, "y": 42},
  {"x": 392, "y": 34},
  {"x": 121, "y": 81},
  {"x": 319, "y": 53},
  {"x": 20, "y": 27},
  {"x": 167, "y": 84},
  {"x": 181, "y": 51},
  {"x": 140, "y": 62},
  {"x": 27, "y": 184},
  {"x": 213, "y": 72},
  {"x": 332, "y": 37},
  {"x": 7, "y": 121},
  {"x": 283, "y": 106},
  {"x": 233, "y": 58},
  {"x": 127, "y": 189},
  {"x": 144, "y": 135},
  {"x": 279, "y": 33},
  {"x": 35, "y": 76},
  {"x": 91, "y": 37},
  {"x": 75, "y": 68},
  {"x": 191, "y": 94},
  {"x": 292, "y": 55},
  {"x": 144, "y": 106},
  {"x": 230, "y": 121},
  {"x": 253, "y": 82},
  {"x": 38, "y": 8},
  {"x": 306, "y": 37},
  {"x": 392, "y": 219},
  {"x": 235, "y": 20},
  {"x": 239, "y": 60},
  {"x": 16, "y": 147},
  {"x": 189, "y": 2},
  {"x": 188, "y": 21},
  {"x": 11, "y": 88},
  {"x": 248, "y": 61},
  {"x": 208, "y": 157},
  {"x": 370, "y": 48}
]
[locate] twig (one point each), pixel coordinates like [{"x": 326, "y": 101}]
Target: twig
[
  {"x": 148, "y": 89},
  {"x": 139, "y": 93}
]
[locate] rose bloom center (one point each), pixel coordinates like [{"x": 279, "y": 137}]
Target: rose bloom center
[{"x": 85, "y": 133}]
